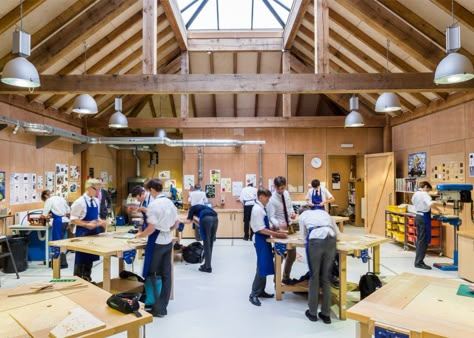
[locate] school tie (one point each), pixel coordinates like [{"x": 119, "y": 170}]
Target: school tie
[{"x": 285, "y": 210}]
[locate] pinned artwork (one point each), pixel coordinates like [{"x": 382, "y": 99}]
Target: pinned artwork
[
  {"x": 210, "y": 190},
  {"x": 61, "y": 180},
  {"x": 164, "y": 175},
  {"x": 23, "y": 188},
  {"x": 236, "y": 188},
  {"x": 75, "y": 172},
  {"x": 39, "y": 185},
  {"x": 215, "y": 176},
  {"x": 49, "y": 180},
  {"x": 2, "y": 185},
  {"x": 471, "y": 164},
  {"x": 251, "y": 178},
  {"x": 417, "y": 164},
  {"x": 448, "y": 168},
  {"x": 226, "y": 185},
  {"x": 188, "y": 181}
]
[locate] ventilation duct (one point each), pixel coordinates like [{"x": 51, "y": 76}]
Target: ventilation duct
[{"x": 43, "y": 129}]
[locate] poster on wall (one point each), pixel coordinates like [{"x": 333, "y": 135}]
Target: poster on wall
[
  {"x": 39, "y": 186},
  {"x": 61, "y": 180},
  {"x": 2, "y": 185},
  {"x": 73, "y": 187},
  {"x": 188, "y": 181},
  {"x": 236, "y": 188},
  {"x": 75, "y": 172},
  {"x": 104, "y": 176},
  {"x": 417, "y": 164},
  {"x": 271, "y": 186},
  {"x": 251, "y": 178},
  {"x": 226, "y": 185},
  {"x": 23, "y": 188},
  {"x": 448, "y": 168},
  {"x": 215, "y": 176},
  {"x": 49, "y": 180},
  {"x": 471, "y": 164},
  {"x": 164, "y": 175},
  {"x": 336, "y": 181},
  {"x": 210, "y": 191}
]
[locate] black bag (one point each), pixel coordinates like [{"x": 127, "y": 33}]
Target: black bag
[
  {"x": 193, "y": 253},
  {"x": 368, "y": 283},
  {"x": 125, "y": 303}
]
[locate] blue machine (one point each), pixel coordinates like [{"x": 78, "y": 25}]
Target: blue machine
[{"x": 456, "y": 193}]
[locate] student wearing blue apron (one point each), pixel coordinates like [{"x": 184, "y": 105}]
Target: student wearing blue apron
[
  {"x": 319, "y": 197},
  {"x": 145, "y": 199},
  {"x": 423, "y": 203},
  {"x": 260, "y": 224},
  {"x": 85, "y": 216},
  {"x": 59, "y": 209},
  {"x": 162, "y": 219},
  {"x": 208, "y": 222},
  {"x": 320, "y": 233}
]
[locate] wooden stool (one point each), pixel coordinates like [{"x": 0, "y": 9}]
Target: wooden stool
[{"x": 8, "y": 253}]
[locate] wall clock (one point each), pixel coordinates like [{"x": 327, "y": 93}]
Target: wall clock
[{"x": 316, "y": 162}]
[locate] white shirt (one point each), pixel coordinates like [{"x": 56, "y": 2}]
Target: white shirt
[
  {"x": 197, "y": 197},
  {"x": 162, "y": 213},
  {"x": 79, "y": 207},
  {"x": 58, "y": 206},
  {"x": 325, "y": 195},
  {"x": 248, "y": 196},
  {"x": 257, "y": 217},
  {"x": 422, "y": 201},
  {"x": 275, "y": 208},
  {"x": 323, "y": 223}
]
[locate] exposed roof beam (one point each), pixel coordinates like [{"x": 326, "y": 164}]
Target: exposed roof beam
[
  {"x": 149, "y": 39},
  {"x": 235, "y": 44},
  {"x": 461, "y": 13},
  {"x": 12, "y": 17},
  {"x": 421, "y": 25},
  {"x": 239, "y": 83},
  {"x": 293, "y": 22},
  {"x": 321, "y": 36},
  {"x": 84, "y": 26},
  {"x": 176, "y": 22},
  {"x": 397, "y": 30},
  {"x": 242, "y": 122}
]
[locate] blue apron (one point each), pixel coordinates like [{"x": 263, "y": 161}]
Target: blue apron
[
  {"x": 92, "y": 214},
  {"x": 427, "y": 219},
  {"x": 150, "y": 243},
  {"x": 57, "y": 227},
  {"x": 264, "y": 252},
  {"x": 317, "y": 199}
]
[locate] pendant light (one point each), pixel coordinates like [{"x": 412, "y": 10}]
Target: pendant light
[
  {"x": 84, "y": 103},
  {"x": 455, "y": 67},
  {"x": 19, "y": 71},
  {"x": 387, "y": 102},
  {"x": 354, "y": 118},
  {"x": 118, "y": 119}
]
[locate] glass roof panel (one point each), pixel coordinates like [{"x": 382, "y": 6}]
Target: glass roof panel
[{"x": 234, "y": 14}]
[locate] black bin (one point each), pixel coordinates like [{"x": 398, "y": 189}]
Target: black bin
[{"x": 19, "y": 251}]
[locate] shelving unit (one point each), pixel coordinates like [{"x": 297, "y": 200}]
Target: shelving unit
[
  {"x": 405, "y": 188},
  {"x": 355, "y": 191},
  {"x": 401, "y": 227}
]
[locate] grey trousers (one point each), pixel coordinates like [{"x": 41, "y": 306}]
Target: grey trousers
[
  {"x": 160, "y": 265},
  {"x": 209, "y": 224},
  {"x": 421, "y": 245},
  {"x": 321, "y": 254},
  {"x": 289, "y": 260},
  {"x": 259, "y": 282}
]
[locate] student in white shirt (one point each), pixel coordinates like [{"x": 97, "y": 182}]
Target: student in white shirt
[{"x": 319, "y": 197}]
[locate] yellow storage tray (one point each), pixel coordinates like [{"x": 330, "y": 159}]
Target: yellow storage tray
[
  {"x": 396, "y": 208},
  {"x": 399, "y": 237}
]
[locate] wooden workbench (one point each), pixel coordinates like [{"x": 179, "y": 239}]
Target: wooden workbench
[
  {"x": 346, "y": 245},
  {"x": 418, "y": 306},
  {"x": 104, "y": 245},
  {"x": 38, "y": 313}
]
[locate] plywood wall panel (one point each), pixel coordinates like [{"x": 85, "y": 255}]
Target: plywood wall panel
[
  {"x": 337, "y": 136},
  {"x": 304, "y": 140},
  {"x": 446, "y": 126},
  {"x": 469, "y": 119},
  {"x": 374, "y": 140},
  {"x": 274, "y": 137}
]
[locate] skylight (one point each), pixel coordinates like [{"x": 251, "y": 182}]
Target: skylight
[{"x": 235, "y": 14}]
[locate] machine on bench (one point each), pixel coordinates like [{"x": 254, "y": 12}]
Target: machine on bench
[{"x": 457, "y": 194}]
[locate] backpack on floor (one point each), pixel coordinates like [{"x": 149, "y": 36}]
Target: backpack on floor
[
  {"x": 368, "y": 283},
  {"x": 193, "y": 253}
]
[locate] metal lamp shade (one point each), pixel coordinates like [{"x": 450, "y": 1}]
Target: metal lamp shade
[
  {"x": 454, "y": 68},
  {"x": 85, "y": 104},
  {"x": 118, "y": 120},
  {"x": 387, "y": 102},
  {"x": 354, "y": 119},
  {"x": 20, "y": 72}
]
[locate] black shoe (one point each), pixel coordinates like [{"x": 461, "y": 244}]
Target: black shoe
[
  {"x": 254, "y": 300},
  {"x": 311, "y": 317},
  {"x": 245, "y": 238},
  {"x": 203, "y": 269},
  {"x": 325, "y": 319},
  {"x": 287, "y": 281},
  {"x": 65, "y": 266},
  {"x": 423, "y": 266},
  {"x": 266, "y": 295}
]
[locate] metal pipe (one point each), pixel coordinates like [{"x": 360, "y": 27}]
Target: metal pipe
[
  {"x": 137, "y": 158},
  {"x": 199, "y": 165},
  {"x": 260, "y": 167},
  {"x": 44, "y": 129}
]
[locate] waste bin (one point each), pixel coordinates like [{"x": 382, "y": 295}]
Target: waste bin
[{"x": 19, "y": 251}]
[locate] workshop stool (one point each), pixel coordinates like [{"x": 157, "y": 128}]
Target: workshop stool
[{"x": 8, "y": 253}]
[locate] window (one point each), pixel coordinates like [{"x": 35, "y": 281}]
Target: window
[{"x": 295, "y": 174}]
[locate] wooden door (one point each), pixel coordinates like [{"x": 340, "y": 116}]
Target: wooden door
[{"x": 379, "y": 181}]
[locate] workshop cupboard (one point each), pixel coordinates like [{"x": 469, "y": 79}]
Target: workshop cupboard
[
  {"x": 466, "y": 255},
  {"x": 231, "y": 225}
]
